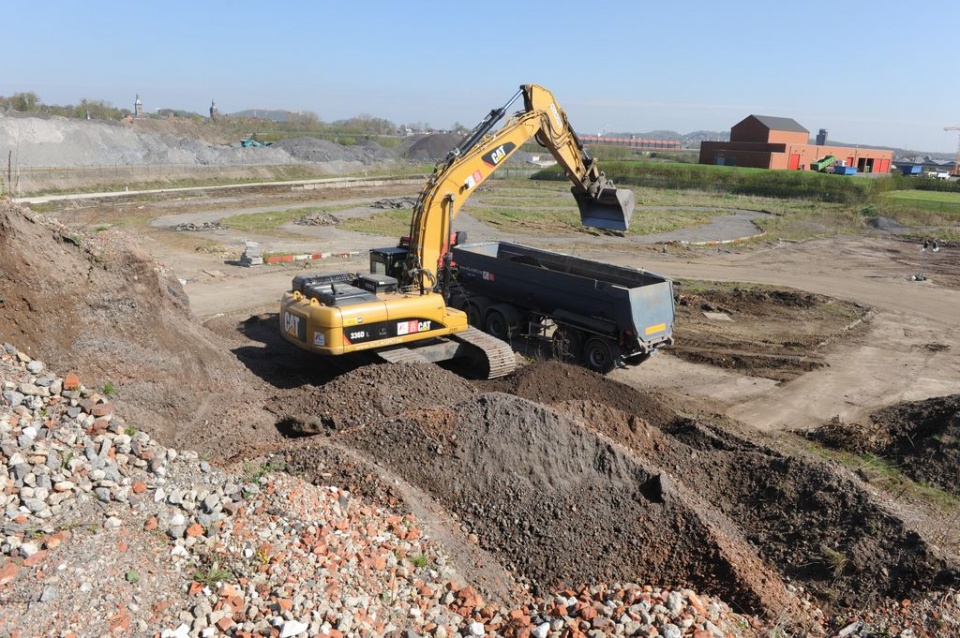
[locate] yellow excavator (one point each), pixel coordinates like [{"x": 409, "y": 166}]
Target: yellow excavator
[{"x": 401, "y": 308}]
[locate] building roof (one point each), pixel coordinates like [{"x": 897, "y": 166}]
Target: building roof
[{"x": 779, "y": 123}]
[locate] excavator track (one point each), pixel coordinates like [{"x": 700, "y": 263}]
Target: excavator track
[
  {"x": 499, "y": 354},
  {"x": 402, "y": 355},
  {"x": 482, "y": 348}
]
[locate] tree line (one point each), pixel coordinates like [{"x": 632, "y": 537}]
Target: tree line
[{"x": 361, "y": 127}]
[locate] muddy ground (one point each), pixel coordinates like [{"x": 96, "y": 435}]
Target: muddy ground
[{"x": 555, "y": 476}]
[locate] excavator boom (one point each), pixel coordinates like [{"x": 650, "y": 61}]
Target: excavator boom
[{"x": 482, "y": 152}]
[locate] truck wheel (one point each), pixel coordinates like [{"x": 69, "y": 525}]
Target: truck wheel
[
  {"x": 567, "y": 344},
  {"x": 475, "y": 309},
  {"x": 497, "y": 325},
  {"x": 600, "y": 354}
]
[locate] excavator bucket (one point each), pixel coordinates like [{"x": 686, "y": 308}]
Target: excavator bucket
[{"x": 611, "y": 209}]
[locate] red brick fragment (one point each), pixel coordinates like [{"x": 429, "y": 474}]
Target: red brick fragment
[
  {"x": 8, "y": 571},
  {"x": 102, "y": 409},
  {"x": 71, "y": 381},
  {"x": 36, "y": 559}
]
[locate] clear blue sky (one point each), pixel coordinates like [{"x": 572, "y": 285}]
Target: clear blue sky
[{"x": 881, "y": 72}]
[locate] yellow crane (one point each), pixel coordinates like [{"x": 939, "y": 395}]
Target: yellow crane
[{"x": 956, "y": 160}]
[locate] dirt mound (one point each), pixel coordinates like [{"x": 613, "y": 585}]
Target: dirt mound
[
  {"x": 611, "y": 485},
  {"x": 319, "y": 218},
  {"x": 311, "y": 149},
  {"x": 367, "y": 395},
  {"x": 922, "y": 438},
  {"x": 432, "y": 147},
  {"x": 553, "y": 382},
  {"x": 100, "y": 306},
  {"x": 560, "y": 506}
]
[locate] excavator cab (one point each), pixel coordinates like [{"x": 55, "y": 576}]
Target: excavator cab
[{"x": 609, "y": 209}]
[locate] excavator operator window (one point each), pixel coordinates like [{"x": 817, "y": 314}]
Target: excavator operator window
[{"x": 388, "y": 261}]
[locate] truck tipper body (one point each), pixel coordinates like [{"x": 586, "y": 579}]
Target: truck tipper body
[{"x": 599, "y": 314}]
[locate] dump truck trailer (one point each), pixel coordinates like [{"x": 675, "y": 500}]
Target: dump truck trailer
[{"x": 597, "y": 314}]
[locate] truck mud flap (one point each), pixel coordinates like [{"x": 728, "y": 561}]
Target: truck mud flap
[{"x": 611, "y": 209}]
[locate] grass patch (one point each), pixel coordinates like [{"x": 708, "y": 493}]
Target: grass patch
[
  {"x": 885, "y": 474},
  {"x": 835, "y": 561},
  {"x": 213, "y": 575},
  {"x": 390, "y": 223},
  {"x": 253, "y": 473},
  {"x": 927, "y": 196},
  {"x": 268, "y": 221}
]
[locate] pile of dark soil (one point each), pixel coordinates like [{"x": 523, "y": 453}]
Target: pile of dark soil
[
  {"x": 562, "y": 507},
  {"x": 553, "y": 382},
  {"x": 367, "y": 396},
  {"x": 319, "y": 218},
  {"x": 608, "y": 485},
  {"x": 99, "y": 305},
  {"x": 922, "y": 438}
]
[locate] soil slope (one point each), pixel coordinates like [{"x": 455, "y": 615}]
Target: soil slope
[{"x": 98, "y": 305}]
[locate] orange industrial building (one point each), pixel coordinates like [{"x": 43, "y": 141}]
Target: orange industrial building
[{"x": 762, "y": 141}]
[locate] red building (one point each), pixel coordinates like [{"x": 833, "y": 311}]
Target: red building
[{"x": 762, "y": 141}]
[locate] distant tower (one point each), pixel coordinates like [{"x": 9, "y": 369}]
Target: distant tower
[
  {"x": 138, "y": 108},
  {"x": 822, "y": 137}
]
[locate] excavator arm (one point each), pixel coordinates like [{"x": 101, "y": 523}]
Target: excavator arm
[{"x": 479, "y": 154}]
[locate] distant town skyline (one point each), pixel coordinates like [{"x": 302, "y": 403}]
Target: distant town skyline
[{"x": 867, "y": 74}]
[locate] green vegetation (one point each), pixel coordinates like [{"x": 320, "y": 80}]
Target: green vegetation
[
  {"x": 391, "y": 223},
  {"x": 254, "y": 473},
  {"x": 109, "y": 389},
  {"x": 886, "y": 475},
  {"x": 267, "y": 222},
  {"x": 420, "y": 560},
  {"x": 943, "y": 202},
  {"x": 213, "y": 575},
  {"x": 836, "y": 561},
  {"x": 808, "y": 185}
]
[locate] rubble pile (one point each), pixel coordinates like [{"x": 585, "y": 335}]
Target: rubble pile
[{"x": 106, "y": 531}]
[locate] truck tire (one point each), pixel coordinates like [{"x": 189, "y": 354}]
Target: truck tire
[
  {"x": 567, "y": 344},
  {"x": 502, "y": 321},
  {"x": 496, "y": 324},
  {"x": 600, "y": 354},
  {"x": 476, "y": 308}
]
